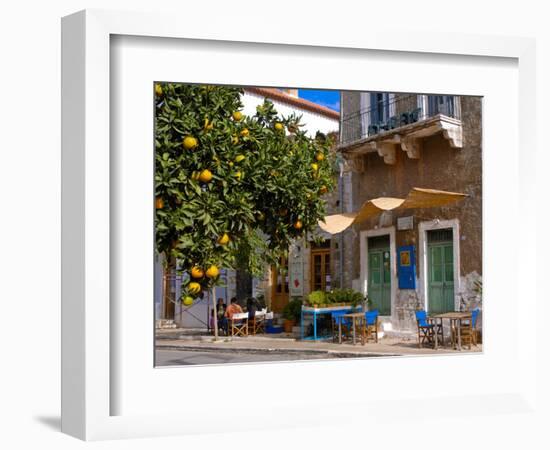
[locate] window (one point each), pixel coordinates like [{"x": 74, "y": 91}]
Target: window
[
  {"x": 441, "y": 104},
  {"x": 379, "y": 107},
  {"x": 320, "y": 267}
]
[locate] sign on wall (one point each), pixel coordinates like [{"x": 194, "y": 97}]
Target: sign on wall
[{"x": 405, "y": 223}]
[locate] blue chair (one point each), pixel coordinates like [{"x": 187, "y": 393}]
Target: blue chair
[
  {"x": 427, "y": 329},
  {"x": 338, "y": 320},
  {"x": 370, "y": 326},
  {"x": 468, "y": 333}
]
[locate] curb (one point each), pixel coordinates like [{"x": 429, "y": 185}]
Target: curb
[{"x": 332, "y": 353}]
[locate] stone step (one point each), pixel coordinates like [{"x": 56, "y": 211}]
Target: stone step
[{"x": 165, "y": 324}]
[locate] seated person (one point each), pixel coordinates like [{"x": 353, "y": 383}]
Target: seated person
[
  {"x": 220, "y": 309},
  {"x": 252, "y": 306},
  {"x": 233, "y": 308},
  {"x": 211, "y": 321}
]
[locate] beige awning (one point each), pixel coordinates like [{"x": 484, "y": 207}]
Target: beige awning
[{"x": 417, "y": 198}]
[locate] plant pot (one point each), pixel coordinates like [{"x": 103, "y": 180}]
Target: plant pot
[{"x": 288, "y": 324}]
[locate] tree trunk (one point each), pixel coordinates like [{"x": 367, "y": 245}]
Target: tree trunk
[
  {"x": 215, "y": 313},
  {"x": 244, "y": 284},
  {"x": 168, "y": 301}
]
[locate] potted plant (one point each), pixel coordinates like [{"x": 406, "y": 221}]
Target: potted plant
[
  {"x": 345, "y": 297},
  {"x": 317, "y": 298},
  {"x": 291, "y": 314}
]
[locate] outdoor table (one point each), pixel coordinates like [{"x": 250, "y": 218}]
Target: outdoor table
[
  {"x": 355, "y": 317},
  {"x": 316, "y": 312},
  {"x": 454, "y": 317}
]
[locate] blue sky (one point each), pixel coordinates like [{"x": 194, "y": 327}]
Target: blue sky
[{"x": 330, "y": 99}]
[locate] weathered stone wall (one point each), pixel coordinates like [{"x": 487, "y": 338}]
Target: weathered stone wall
[
  {"x": 439, "y": 167},
  {"x": 349, "y": 107}
]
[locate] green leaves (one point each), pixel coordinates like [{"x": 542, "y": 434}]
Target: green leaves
[{"x": 262, "y": 179}]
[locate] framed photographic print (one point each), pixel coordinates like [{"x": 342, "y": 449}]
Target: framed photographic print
[{"x": 257, "y": 220}]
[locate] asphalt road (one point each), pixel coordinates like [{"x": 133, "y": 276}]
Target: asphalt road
[{"x": 186, "y": 358}]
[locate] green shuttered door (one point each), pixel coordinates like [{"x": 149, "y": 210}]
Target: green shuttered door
[
  {"x": 440, "y": 271},
  {"x": 379, "y": 279}
]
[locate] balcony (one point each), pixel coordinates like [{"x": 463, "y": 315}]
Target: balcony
[{"x": 400, "y": 123}]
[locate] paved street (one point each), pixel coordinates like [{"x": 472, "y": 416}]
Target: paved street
[
  {"x": 185, "y": 358},
  {"x": 177, "y": 347}
]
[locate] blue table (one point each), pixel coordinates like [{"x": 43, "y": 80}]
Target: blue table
[{"x": 315, "y": 312}]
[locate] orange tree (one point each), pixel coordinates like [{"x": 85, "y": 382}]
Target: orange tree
[{"x": 230, "y": 190}]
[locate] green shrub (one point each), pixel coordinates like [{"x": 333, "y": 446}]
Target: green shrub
[
  {"x": 345, "y": 296},
  {"x": 293, "y": 310},
  {"x": 317, "y": 298}
]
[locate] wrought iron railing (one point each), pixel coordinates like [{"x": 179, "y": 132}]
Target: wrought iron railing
[{"x": 395, "y": 112}]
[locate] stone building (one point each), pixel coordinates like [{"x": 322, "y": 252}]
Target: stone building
[{"x": 411, "y": 259}]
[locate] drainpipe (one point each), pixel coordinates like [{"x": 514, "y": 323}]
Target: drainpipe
[
  {"x": 341, "y": 192},
  {"x": 341, "y": 199}
]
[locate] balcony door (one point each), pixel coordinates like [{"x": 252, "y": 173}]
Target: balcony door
[{"x": 441, "y": 104}]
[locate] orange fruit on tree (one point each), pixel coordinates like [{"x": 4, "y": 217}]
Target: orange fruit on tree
[
  {"x": 194, "y": 287},
  {"x": 159, "y": 203},
  {"x": 323, "y": 190},
  {"x": 190, "y": 143},
  {"x": 207, "y": 124},
  {"x": 245, "y": 132},
  {"x": 315, "y": 167},
  {"x": 224, "y": 239},
  {"x": 234, "y": 140},
  {"x": 279, "y": 126},
  {"x": 158, "y": 89},
  {"x": 237, "y": 116},
  {"x": 187, "y": 300},
  {"x": 205, "y": 176},
  {"x": 319, "y": 156},
  {"x": 197, "y": 272},
  {"x": 298, "y": 224},
  {"x": 238, "y": 175},
  {"x": 212, "y": 271},
  {"x": 239, "y": 158}
]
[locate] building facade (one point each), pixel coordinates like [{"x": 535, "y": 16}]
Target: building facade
[{"x": 406, "y": 260}]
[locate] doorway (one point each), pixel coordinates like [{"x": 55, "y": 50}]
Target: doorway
[
  {"x": 279, "y": 283},
  {"x": 320, "y": 267},
  {"x": 379, "y": 274},
  {"x": 440, "y": 271}
]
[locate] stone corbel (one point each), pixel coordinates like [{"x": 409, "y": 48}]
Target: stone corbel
[
  {"x": 387, "y": 151},
  {"x": 356, "y": 163},
  {"x": 413, "y": 147},
  {"x": 453, "y": 133}
]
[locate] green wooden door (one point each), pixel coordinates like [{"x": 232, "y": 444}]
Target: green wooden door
[
  {"x": 379, "y": 287},
  {"x": 440, "y": 277}
]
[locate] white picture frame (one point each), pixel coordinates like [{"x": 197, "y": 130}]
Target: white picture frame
[{"x": 93, "y": 407}]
